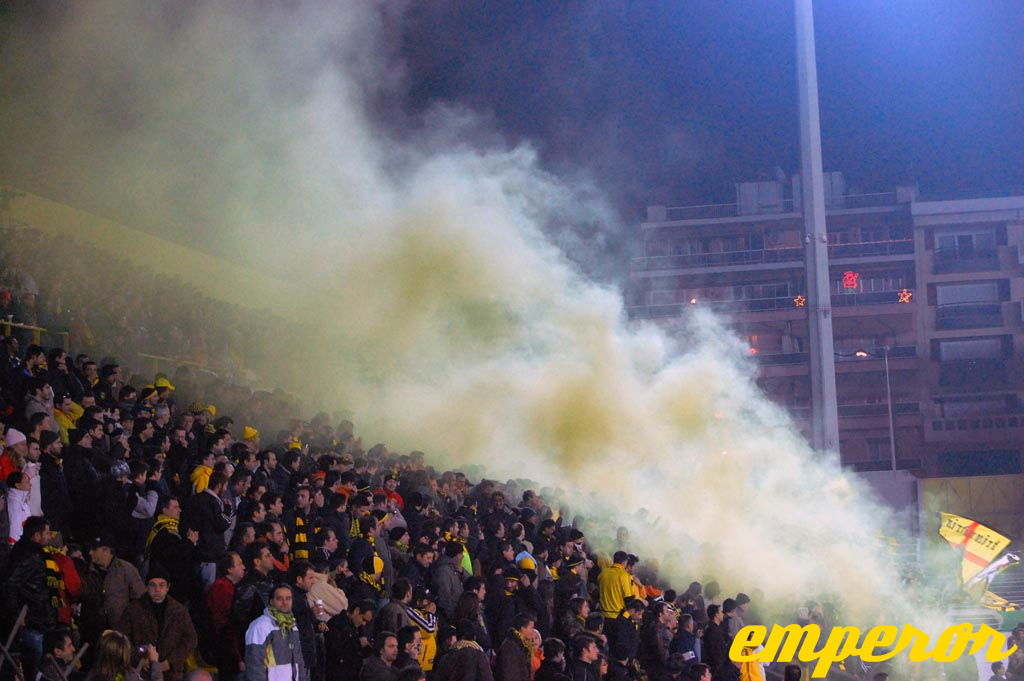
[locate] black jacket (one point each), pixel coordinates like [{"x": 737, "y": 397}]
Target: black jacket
[
  {"x": 624, "y": 638},
  {"x": 24, "y": 583},
  {"x": 582, "y": 671},
  {"x": 252, "y": 595},
  {"x": 549, "y": 671},
  {"x": 344, "y": 657},
  {"x": 204, "y": 512},
  {"x": 56, "y": 500},
  {"x": 714, "y": 649},
  {"x": 174, "y": 553}
]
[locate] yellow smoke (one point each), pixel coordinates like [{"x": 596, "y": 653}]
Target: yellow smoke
[{"x": 434, "y": 309}]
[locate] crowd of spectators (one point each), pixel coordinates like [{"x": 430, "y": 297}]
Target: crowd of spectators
[
  {"x": 167, "y": 538},
  {"x": 106, "y": 302},
  {"x": 151, "y": 531}
]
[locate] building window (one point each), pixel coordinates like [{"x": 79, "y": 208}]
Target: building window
[
  {"x": 971, "y": 348},
  {"x": 879, "y": 449},
  {"x": 967, "y": 294},
  {"x": 959, "y": 407},
  {"x": 965, "y": 245}
]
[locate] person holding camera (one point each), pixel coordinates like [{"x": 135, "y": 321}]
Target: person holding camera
[{"x": 114, "y": 660}]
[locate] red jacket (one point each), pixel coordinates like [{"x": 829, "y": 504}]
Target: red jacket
[{"x": 219, "y": 599}]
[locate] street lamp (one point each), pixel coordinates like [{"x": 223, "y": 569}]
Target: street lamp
[{"x": 888, "y": 400}]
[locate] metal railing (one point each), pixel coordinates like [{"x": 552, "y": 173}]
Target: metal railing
[
  {"x": 864, "y": 409},
  {"x": 765, "y": 256},
  {"x": 37, "y": 332},
  {"x": 950, "y": 260},
  {"x": 713, "y": 211},
  {"x": 991, "y": 422},
  {"x": 789, "y": 358},
  {"x": 675, "y": 302},
  {"x": 158, "y": 360},
  {"x": 968, "y": 315}
]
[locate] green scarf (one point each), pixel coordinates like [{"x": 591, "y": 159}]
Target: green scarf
[{"x": 285, "y": 620}]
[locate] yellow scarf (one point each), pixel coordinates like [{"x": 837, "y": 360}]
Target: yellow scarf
[{"x": 163, "y": 522}]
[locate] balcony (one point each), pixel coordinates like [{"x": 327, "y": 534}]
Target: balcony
[
  {"x": 990, "y": 373},
  {"x": 968, "y": 316},
  {"x": 952, "y": 260},
  {"x": 882, "y": 465},
  {"x": 766, "y": 256},
  {"x": 790, "y": 358},
  {"x": 1011, "y": 421},
  {"x": 671, "y": 303},
  {"x": 864, "y": 410}
]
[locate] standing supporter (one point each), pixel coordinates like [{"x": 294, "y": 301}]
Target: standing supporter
[
  {"x": 159, "y": 620},
  {"x": 346, "y": 641},
  {"x": 516, "y": 652},
  {"x": 66, "y": 413},
  {"x": 205, "y": 513},
  {"x": 272, "y": 647},
  {"x": 394, "y": 615},
  {"x": 166, "y": 547},
  {"x": 552, "y": 668},
  {"x": 466, "y": 661},
  {"x": 410, "y": 646},
  {"x": 447, "y": 576},
  {"x": 55, "y": 498},
  {"x": 584, "y": 664},
  {"x": 301, "y": 578},
  {"x": 227, "y": 651},
  {"x": 380, "y": 665},
  {"x": 13, "y": 458},
  {"x": 109, "y": 584},
  {"x": 615, "y": 585},
  {"x": 424, "y": 615},
  {"x": 714, "y": 649},
  {"x": 298, "y": 524},
  {"x": 252, "y": 595},
  {"x": 25, "y": 584},
  {"x": 19, "y": 509}
]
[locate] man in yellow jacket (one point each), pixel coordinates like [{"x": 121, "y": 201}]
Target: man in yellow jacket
[
  {"x": 66, "y": 413},
  {"x": 614, "y": 585}
]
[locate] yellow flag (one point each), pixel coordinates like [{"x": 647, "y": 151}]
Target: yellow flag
[{"x": 981, "y": 544}]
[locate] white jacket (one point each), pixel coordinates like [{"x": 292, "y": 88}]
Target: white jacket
[{"x": 18, "y": 510}]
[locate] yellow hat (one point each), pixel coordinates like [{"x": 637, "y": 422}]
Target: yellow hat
[
  {"x": 212, "y": 409},
  {"x": 250, "y": 433},
  {"x": 295, "y": 444},
  {"x": 378, "y": 565},
  {"x": 527, "y": 563},
  {"x": 162, "y": 382}
]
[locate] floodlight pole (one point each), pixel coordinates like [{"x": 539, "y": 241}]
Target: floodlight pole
[{"x": 824, "y": 411}]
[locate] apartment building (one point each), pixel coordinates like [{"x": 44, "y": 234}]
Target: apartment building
[{"x": 932, "y": 289}]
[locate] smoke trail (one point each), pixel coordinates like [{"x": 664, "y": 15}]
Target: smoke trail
[{"x": 436, "y": 309}]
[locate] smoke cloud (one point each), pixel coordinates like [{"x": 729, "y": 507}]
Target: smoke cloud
[{"x": 435, "y": 308}]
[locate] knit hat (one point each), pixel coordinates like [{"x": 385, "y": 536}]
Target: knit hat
[
  {"x": 14, "y": 437},
  {"x": 119, "y": 469},
  {"x": 157, "y": 571},
  {"x": 47, "y": 438}
]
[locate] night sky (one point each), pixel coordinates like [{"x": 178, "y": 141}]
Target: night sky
[
  {"x": 661, "y": 101},
  {"x": 673, "y": 101}
]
